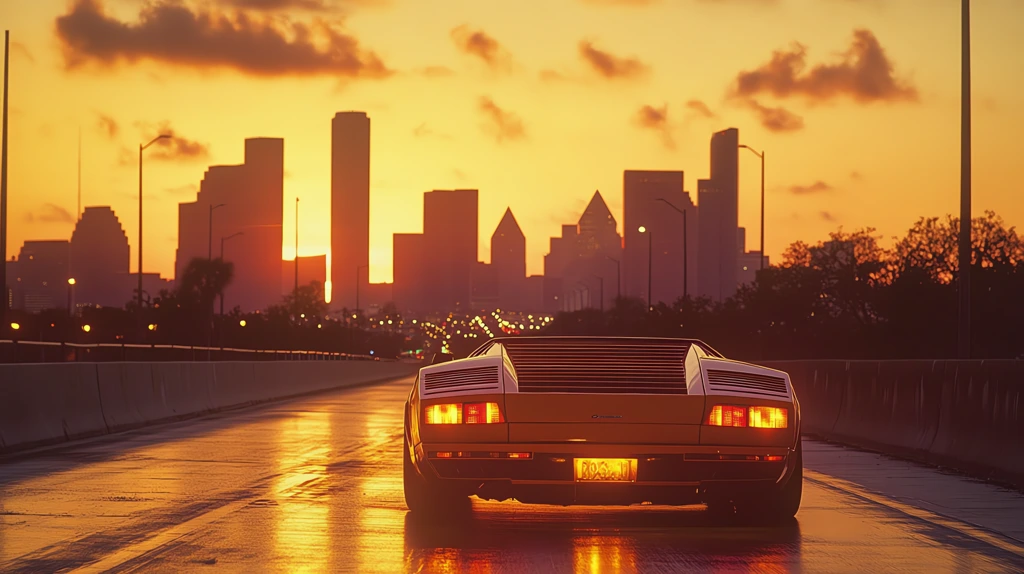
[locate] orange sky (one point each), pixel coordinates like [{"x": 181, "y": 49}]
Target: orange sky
[{"x": 536, "y": 103}]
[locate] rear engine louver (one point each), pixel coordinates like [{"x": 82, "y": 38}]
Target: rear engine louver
[
  {"x": 472, "y": 379},
  {"x": 581, "y": 367},
  {"x": 748, "y": 383}
]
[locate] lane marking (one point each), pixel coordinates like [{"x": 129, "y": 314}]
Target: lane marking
[{"x": 1000, "y": 541}]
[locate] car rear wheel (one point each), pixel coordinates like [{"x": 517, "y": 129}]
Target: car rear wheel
[
  {"x": 425, "y": 501},
  {"x": 780, "y": 506}
]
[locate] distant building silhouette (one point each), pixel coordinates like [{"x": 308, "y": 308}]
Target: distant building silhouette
[
  {"x": 410, "y": 272},
  {"x": 642, "y": 206},
  {"x": 581, "y": 263},
  {"x": 100, "y": 259},
  {"x": 487, "y": 287},
  {"x": 251, "y": 200},
  {"x": 39, "y": 276},
  {"x": 718, "y": 199},
  {"x": 311, "y": 268},
  {"x": 350, "y": 205},
  {"x": 508, "y": 258},
  {"x": 451, "y": 231},
  {"x": 749, "y": 261}
]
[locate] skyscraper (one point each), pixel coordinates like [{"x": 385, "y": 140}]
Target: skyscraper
[
  {"x": 40, "y": 278},
  {"x": 350, "y": 205},
  {"x": 246, "y": 199},
  {"x": 642, "y": 206},
  {"x": 450, "y": 230},
  {"x": 410, "y": 273},
  {"x": 101, "y": 256},
  {"x": 508, "y": 259},
  {"x": 719, "y": 219}
]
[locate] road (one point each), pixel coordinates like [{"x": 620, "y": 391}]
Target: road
[{"x": 315, "y": 485}]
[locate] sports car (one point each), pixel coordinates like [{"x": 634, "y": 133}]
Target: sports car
[{"x": 602, "y": 421}]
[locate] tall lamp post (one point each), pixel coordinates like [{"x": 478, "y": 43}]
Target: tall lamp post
[
  {"x": 358, "y": 269},
  {"x": 296, "y": 246},
  {"x": 601, "y": 283},
  {"x": 222, "y": 240},
  {"x": 650, "y": 247},
  {"x": 142, "y": 148},
  {"x": 760, "y": 155},
  {"x": 209, "y": 239},
  {"x": 686, "y": 250},
  {"x": 618, "y": 276},
  {"x": 964, "y": 244}
]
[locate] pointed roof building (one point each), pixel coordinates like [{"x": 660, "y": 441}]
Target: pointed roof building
[{"x": 508, "y": 258}]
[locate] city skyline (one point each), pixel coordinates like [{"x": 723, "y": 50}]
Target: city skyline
[{"x": 549, "y": 160}]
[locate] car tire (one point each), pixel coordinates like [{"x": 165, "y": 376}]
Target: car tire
[
  {"x": 424, "y": 501},
  {"x": 780, "y": 506}
]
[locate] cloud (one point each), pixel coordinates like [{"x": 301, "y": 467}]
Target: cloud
[
  {"x": 478, "y": 43},
  {"x": 816, "y": 187},
  {"x": 609, "y": 65},
  {"x": 656, "y": 119},
  {"x": 776, "y": 119},
  {"x": 308, "y": 5},
  {"x": 501, "y": 124},
  {"x": 23, "y": 51},
  {"x": 183, "y": 190},
  {"x": 551, "y": 76},
  {"x": 423, "y": 131},
  {"x": 170, "y": 32},
  {"x": 621, "y": 2},
  {"x": 436, "y": 72},
  {"x": 700, "y": 108},
  {"x": 50, "y": 213},
  {"x": 175, "y": 148},
  {"x": 864, "y": 73},
  {"x": 856, "y": 176},
  {"x": 828, "y": 216},
  {"x": 107, "y": 125}
]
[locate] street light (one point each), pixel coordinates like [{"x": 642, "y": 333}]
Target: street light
[
  {"x": 71, "y": 287},
  {"x": 650, "y": 245},
  {"x": 760, "y": 155},
  {"x": 296, "y": 246},
  {"x": 222, "y": 240},
  {"x": 964, "y": 239},
  {"x": 686, "y": 267},
  {"x": 209, "y": 242},
  {"x": 601, "y": 279},
  {"x": 141, "y": 149},
  {"x": 618, "y": 277}
]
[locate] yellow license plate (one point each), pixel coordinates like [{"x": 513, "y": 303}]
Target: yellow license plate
[{"x": 605, "y": 469}]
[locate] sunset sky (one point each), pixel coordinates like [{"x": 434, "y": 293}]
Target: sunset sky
[{"x": 536, "y": 103}]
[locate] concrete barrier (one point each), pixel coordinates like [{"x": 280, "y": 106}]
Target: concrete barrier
[
  {"x": 967, "y": 415},
  {"x": 49, "y": 403},
  {"x": 40, "y": 406}
]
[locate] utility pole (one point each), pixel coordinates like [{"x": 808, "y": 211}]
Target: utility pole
[
  {"x": 3, "y": 186},
  {"x": 964, "y": 258},
  {"x": 296, "y": 247}
]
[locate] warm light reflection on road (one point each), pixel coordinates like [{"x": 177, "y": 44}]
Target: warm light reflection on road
[
  {"x": 302, "y": 537},
  {"x": 381, "y": 545},
  {"x": 602, "y": 555}
]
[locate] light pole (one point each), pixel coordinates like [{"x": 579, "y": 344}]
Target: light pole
[
  {"x": 3, "y": 185},
  {"x": 601, "y": 280},
  {"x": 358, "y": 269},
  {"x": 222, "y": 240},
  {"x": 296, "y": 246},
  {"x": 760, "y": 155},
  {"x": 686, "y": 267},
  {"x": 618, "y": 277},
  {"x": 71, "y": 288},
  {"x": 650, "y": 246},
  {"x": 209, "y": 241},
  {"x": 964, "y": 244},
  {"x": 142, "y": 148}
]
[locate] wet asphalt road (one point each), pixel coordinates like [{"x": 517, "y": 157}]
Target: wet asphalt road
[{"x": 315, "y": 485}]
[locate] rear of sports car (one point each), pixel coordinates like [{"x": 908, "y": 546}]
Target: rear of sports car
[{"x": 593, "y": 420}]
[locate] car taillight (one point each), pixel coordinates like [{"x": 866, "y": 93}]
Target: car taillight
[
  {"x": 753, "y": 417},
  {"x": 481, "y": 413},
  {"x": 444, "y": 414},
  {"x": 769, "y": 417},
  {"x": 459, "y": 413},
  {"x": 727, "y": 416}
]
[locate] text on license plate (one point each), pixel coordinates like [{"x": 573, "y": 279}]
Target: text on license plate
[{"x": 605, "y": 469}]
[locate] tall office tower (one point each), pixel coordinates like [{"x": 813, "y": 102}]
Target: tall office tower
[
  {"x": 247, "y": 199},
  {"x": 410, "y": 272},
  {"x": 508, "y": 262},
  {"x": 350, "y": 206},
  {"x": 598, "y": 247},
  {"x": 101, "y": 257},
  {"x": 719, "y": 206},
  {"x": 450, "y": 229},
  {"x": 643, "y": 192},
  {"x": 40, "y": 277}
]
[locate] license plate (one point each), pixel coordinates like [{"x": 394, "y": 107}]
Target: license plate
[{"x": 605, "y": 469}]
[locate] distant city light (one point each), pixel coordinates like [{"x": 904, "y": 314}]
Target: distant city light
[
  {"x": 241, "y": 323},
  {"x": 71, "y": 280},
  {"x": 371, "y": 351},
  {"x": 642, "y": 229},
  {"x": 319, "y": 326},
  {"x": 302, "y": 316},
  {"x": 152, "y": 327},
  {"x": 15, "y": 326},
  {"x": 86, "y": 328},
  {"x": 414, "y": 321},
  {"x": 389, "y": 321}
]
